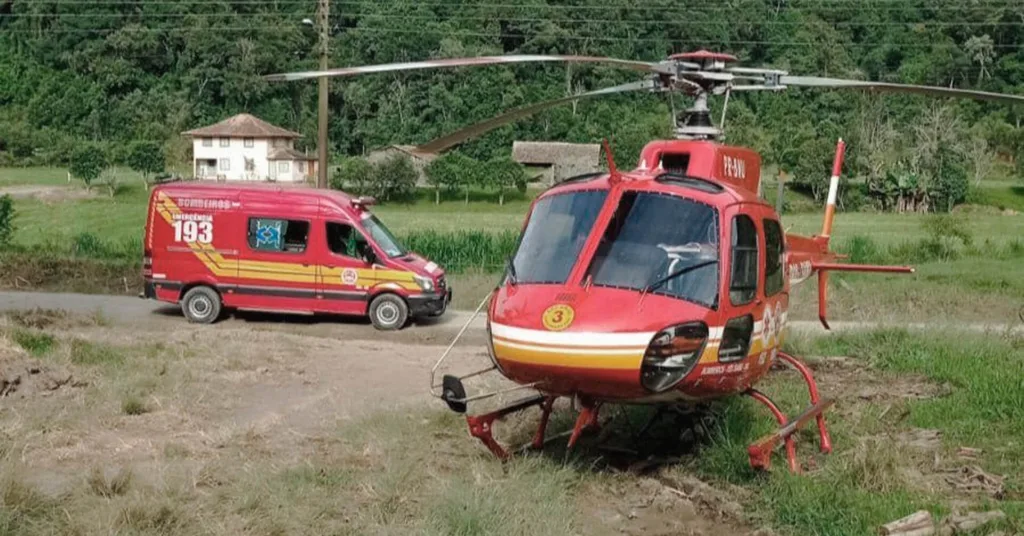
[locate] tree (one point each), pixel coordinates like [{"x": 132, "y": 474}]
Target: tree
[
  {"x": 982, "y": 50},
  {"x": 355, "y": 174},
  {"x": 147, "y": 158},
  {"x": 453, "y": 171},
  {"x": 983, "y": 159},
  {"x": 394, "y": 178},
  {"x": 505, "y": 173},
  {"x": 87, "y": 162}
]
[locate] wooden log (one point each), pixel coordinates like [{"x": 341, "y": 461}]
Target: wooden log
[{"x": 916, "y": 524}]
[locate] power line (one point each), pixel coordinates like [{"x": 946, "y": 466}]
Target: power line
[
  {"x": 826, "y": 6},
  {"x": 723, "y": 44},
  {"x": 463, "y": 18}
]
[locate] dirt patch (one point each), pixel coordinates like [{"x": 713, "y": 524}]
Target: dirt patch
[
  {"x": 47, "y": 194},
  {"x": 23, "y": 377},
  {"x": 849, "y": 379},
  {"x": 663, "y": 506}
]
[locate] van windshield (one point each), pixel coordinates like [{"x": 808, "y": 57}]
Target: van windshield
[{"x": 383, "y": 237}]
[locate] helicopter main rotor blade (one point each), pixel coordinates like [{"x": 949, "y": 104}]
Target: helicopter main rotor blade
[
  {"x": 641, "y": 66},
  {"x": 448, "y": 141},
  {"x": 839, "y": 83}
]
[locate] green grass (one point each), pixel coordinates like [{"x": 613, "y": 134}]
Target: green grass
[
  {"x": 36, "y": 343},
  {"x": 862, "y": 484},
  {"x": 1000, "y": 195},
  {"x": 123, "y": 217},
  {"x": 84, "y": 352},
  {"x": 34, "y": 175}
]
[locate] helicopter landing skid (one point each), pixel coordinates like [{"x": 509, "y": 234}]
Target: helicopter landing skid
[
  {"x": 761, "y": 450},
  {"x": 481, "y": 426}
]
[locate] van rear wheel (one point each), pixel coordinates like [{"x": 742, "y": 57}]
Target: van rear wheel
[
  {"x": 388, "y": 312},
  {"x": 201, "y": 305}
]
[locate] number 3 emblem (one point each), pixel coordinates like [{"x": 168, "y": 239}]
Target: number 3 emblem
[{"x": 558, "y": 317}]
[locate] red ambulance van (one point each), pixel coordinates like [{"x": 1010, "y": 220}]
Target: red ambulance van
[{"x": 212, "y": 247}]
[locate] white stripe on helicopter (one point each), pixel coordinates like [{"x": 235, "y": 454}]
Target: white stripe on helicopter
[{"x": 591, "y": 340}]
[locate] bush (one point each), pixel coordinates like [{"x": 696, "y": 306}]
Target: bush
[
  {"x": 6, "y": 220},
  {"x": 948, "y": 227},
  {"x": 147, "y": 158},
  {"x": 394, "y": 178},
  {"x": 87, "y": 162},
  {"x": 355, "y": 175},
  {"x": 949, "y": 187}
]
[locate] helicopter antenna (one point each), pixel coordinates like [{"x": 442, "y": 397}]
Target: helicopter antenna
[{"x": 613, "y": 171}]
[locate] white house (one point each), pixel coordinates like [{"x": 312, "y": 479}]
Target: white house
[{"x": 247, "y": 148}]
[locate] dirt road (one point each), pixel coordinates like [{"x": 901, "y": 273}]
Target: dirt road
[{"x": 439, "y": 331}]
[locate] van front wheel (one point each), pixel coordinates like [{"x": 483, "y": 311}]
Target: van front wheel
[
  {"x": 388, "y": 312},
  {"x": 201, "y": 305}
]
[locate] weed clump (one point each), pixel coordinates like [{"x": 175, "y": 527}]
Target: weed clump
[
  {"x": 105, "y": 487},
  {"x": 133, "y": 405}
]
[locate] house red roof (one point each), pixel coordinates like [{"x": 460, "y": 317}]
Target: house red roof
[{"x": 242, "y": 126}]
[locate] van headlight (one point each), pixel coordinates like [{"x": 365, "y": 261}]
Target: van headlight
[
  {"x": 425, "y": 283},
  {"x": 672, "y": 354}
]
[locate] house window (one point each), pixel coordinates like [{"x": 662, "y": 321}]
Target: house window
[
  {"x": 249, "y": 143},
  {"x": 225, "y": 142},
  {"x": 300, "y": 167},
  {"x": 773, "y": 276},
  {"x": 743, "y": 282},
  {"x": 225, "y": 164},
  {"x": 250, "y": 164},
  {"x": 207, "y": 142},
  {"x": 271, "y": 234},
  {"x": 284, "y": 167}
]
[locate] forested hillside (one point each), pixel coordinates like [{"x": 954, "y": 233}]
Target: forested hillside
[{"x": 119, "y": 70}]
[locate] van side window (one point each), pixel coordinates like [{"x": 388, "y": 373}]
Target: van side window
[
  {"x": 743, "y": 281},
  {"x": 342, "y": 239},
  {"x": 270, "y": 234},
  {"x": 773, "y": 273}
]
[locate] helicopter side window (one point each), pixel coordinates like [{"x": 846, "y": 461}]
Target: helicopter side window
[
  {"x": 558, "y": 227},
  {"x": 743, "y": 281},
  {"x": 663, "y": 244},
  {"x": 773, "y": 277}
]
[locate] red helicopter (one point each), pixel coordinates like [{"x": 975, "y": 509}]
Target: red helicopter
[{"x": 667, "y": 284}]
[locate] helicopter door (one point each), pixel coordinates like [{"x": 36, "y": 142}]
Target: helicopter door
[
  {"x": 776, "y": 295},
  {"x": 744, "y": 281}
]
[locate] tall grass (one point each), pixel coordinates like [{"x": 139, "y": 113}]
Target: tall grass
[
  {"x": 457, "y": 251},
  {"x": 464, "y": 250}
]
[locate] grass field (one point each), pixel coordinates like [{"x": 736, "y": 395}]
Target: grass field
[
  {"x": 123, "y": 216},
  {"x": 906, "y": 405},
  {"x": 979, "y": 286}
]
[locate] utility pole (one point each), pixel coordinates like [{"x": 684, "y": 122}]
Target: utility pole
[{"x": 323, "y": 12}]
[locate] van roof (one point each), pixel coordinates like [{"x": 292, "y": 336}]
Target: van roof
[{"x": 277, "y": 191}]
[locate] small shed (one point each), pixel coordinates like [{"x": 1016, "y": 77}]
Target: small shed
[
  {"x": 552, "y": 162},
  {"x": 420, "y": 160}
]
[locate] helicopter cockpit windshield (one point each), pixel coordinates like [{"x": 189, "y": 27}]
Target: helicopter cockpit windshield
[
  {"x": 661, "y": 243},
  {"x": 555, "y": 234}
]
